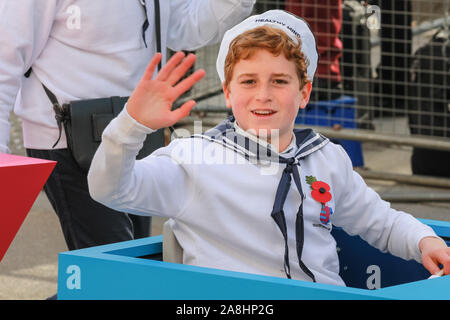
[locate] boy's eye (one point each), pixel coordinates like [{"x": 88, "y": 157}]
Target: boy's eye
[
  {"x": 280, "y": 81},
  {"x": 248, "y": 81}
]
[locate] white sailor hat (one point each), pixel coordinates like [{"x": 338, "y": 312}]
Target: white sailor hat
[{"x": 292, "y": 25}]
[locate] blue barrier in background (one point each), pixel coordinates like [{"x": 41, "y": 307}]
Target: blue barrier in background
[{"x": 334, "y": 112}]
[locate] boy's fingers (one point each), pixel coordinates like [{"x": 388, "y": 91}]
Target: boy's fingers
[
  {"x": 184, "y": 110},
  {"x": 181, "y": 69},
  {"x": 187, "y": 83},
  {"x": 445, "y": 261},
  {"x": 430, "y": 265},
  {"x": 165, "y": 71},
  {"x": 148, "y": 74},
  {"x": 442, "y": 257}
]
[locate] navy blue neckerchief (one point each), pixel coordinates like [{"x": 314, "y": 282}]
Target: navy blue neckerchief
[{"x": 307, "y": 141}]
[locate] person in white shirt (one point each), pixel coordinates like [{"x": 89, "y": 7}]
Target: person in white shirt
[
  {"x": 252, "y": 194},
  {"x": 81, "y": 49}
]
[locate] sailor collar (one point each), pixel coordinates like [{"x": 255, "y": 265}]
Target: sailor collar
[{"x": 231, "y": 136}]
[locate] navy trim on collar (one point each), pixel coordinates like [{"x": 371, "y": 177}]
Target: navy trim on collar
[{"x": 307, "y": 140}]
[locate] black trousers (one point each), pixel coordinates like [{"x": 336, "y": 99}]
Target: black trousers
[{"x": 85, "y": 222}]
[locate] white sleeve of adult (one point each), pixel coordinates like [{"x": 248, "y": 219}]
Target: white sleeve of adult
[
  {"x": 25, "y": 26},
  {"x": 155, "y": 185},
  {"x": 197, "y": 23}
]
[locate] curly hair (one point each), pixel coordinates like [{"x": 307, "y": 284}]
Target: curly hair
[{"x": 267, "y": 38}]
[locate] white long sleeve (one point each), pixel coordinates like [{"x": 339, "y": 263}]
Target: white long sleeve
[
  {"x": 361, "y": 211},
  {"x": 156, "y": 185},
  {"x": 207, "y": 23}
]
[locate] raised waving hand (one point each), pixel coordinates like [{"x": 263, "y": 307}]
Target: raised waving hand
[{"x": 151, "y": 102}]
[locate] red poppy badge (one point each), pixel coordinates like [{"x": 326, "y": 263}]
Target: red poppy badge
[{"x": 320, "y": 191}]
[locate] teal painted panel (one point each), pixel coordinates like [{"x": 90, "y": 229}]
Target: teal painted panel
[
  {"x": 118, "y": 271},
  {"x": 114, "y": 278}
]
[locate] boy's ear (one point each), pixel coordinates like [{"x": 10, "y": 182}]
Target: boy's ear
[
  {"x": 226, "y": 93},
  {"x": 306, "y": 93}
]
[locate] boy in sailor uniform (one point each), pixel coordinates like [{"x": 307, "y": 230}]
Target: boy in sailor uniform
[{"x": 252, "y": 194}]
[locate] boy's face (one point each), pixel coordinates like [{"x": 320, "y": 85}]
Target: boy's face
[{"x": 264, "y": 94}]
